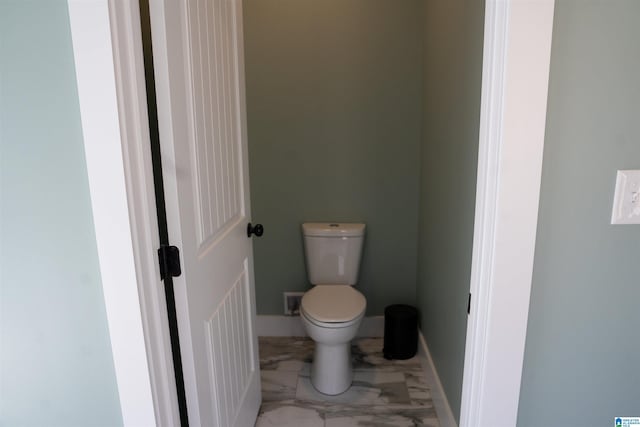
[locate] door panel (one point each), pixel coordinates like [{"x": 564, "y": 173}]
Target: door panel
[
  {"x": 197, "y": 49},
  {"x": 230, "y": 350},
  {"x": 215, "y": 114}
]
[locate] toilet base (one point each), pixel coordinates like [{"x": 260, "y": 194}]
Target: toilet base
[{"x": 331, "y": 370}]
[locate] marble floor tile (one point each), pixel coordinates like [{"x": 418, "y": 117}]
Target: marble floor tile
[
  {"x": 285, "y": 353},
  {"x": 382, "y": 420},
  {"x": 278, "y": 385},
  {"x": 384, "y": 393},
  {"x": 367, "y": 353},
  {"x": 291, "y": 416},
  {"x": 335, "y": 414},
  {"x": 368, "y": 388},
  {"x": 419, "y": 391}
]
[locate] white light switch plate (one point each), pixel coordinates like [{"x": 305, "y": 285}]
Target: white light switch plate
[{"x": 626, "y": 204}]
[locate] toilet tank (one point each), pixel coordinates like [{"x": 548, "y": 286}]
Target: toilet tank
[{"x": 332, "y": 252}]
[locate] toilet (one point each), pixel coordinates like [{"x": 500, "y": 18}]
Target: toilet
[{"x": 332, "y": 310}]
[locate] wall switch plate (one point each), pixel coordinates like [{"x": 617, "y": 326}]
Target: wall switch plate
[{"x": 626, "y": 204}]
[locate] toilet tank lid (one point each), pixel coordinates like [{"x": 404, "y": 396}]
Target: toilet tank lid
[{"x": 333, "y": 229}]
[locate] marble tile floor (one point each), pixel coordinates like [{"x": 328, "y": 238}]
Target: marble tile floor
[{"x": 384, "y": 393}]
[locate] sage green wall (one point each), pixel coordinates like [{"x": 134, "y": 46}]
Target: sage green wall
[
  {"x": 56, "y": 367},
  {"x": 583, "y": 347},
  {"x": 453, "y": 35},
  {"x": 334, "y": 119}
]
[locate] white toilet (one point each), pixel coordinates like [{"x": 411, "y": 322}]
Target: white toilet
[{"x": 332, "y": 310}]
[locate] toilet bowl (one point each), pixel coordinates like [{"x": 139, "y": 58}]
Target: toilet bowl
[{"x": 331, "y": 315}]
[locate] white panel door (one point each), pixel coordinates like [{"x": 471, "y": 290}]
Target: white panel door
[{"x": 198, "y": 56}]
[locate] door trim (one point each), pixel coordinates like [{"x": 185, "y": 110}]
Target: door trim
[
  {"x": 515, "y": 78},
  {"x": 109, "y": 64}
]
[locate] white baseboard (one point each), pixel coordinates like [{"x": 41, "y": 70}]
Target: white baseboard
[
  {"x": 291, "y": 326},
  {"x": 440, "y": 401}
]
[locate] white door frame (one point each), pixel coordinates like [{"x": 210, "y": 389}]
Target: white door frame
[
  {"x": 110, "y": 73},
  {"x": 515, "y": 80},
  {"x": 107, "y": 44}
]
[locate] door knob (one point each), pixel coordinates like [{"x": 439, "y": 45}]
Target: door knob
[{"x": 257, "y": 229}]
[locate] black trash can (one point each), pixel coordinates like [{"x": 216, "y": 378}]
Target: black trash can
[{"x": 400, "y": 332}]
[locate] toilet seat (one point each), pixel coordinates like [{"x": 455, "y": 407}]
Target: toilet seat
[
  {"x": 333, "y": 306},
  {"x": 331, "y": 325}
]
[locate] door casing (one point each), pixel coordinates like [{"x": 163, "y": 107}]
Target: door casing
[{"x": 515, "y": 81}]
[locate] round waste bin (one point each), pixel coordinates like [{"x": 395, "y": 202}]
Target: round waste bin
[{"x": 400, "y": 332}]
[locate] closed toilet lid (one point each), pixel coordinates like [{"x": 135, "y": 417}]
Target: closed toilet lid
[{"x": 333, "y": 303}]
